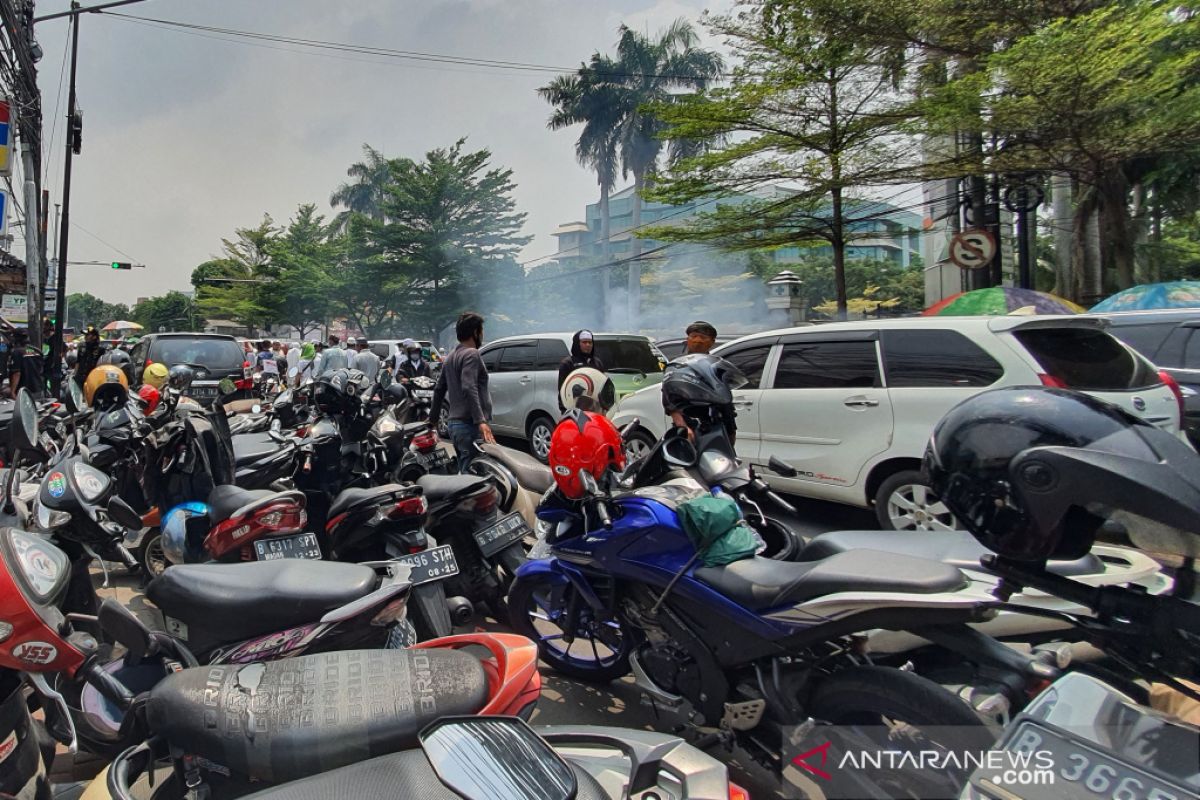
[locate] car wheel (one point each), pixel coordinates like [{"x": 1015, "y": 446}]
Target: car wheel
[
  {"x": 904, "y": 502},
  {"x": 539, "y": 432},
  {"x": 637, "y": 444},
  {"x": 443, "y": 424}
]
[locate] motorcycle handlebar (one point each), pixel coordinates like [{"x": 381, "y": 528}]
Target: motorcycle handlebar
[{"x": 126, "y": 556}]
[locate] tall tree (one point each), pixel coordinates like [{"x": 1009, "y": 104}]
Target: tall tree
[
  {"x": 84, "y": 309},
  {"x": 300, "y": 279},
  {"x": 366, "y": 191},
  {"x": 173, "y": 311},
  {"x": 804, "y": 108},
  {"x": 227, "y": 286}
]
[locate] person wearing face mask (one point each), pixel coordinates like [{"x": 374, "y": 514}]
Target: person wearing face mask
[
  {"x": 411, "y": 364},
  {"x": 583, "y": 354}
]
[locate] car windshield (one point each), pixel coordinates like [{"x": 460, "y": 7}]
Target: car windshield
[
  {"x": 209, "y": 353},
  {"x": 629, "y": 355}
]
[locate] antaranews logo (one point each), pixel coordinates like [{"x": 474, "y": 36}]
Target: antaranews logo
[{"x": 842, "y": 763}]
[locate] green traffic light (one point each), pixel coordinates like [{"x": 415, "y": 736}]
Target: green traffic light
[{"x": 116, "y": 265}]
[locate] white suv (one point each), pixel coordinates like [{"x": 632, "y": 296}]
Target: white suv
[{"x": 851, "y": 405}]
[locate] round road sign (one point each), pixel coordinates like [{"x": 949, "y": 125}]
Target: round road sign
[{"x": 972, "y": 248}]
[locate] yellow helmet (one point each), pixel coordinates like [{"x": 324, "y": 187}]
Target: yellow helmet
[
  {"x": 106, "y": 385},
  {"x": 155, "y": 375}
]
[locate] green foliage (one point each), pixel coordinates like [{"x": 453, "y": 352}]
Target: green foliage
[
  {"x": 1176, "y": 254},
  {"x": 173, "y": 311},
  {"x": 300, "y": 272},
  {"x": 889, "y": 279},
  {"x": 84, "y": 309}
]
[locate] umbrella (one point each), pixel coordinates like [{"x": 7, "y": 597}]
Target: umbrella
[
  {"x": 1172, "y": 294},
  {"x": 1001, "y": 300},
  {"x": 122, "y": 325}
]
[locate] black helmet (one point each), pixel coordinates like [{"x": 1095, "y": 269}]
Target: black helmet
[
  {"x": 118, "y": 358},
  {"x": 180, "y": 377},
  {"x": 1032, "y": 473},
  {"x": 700, "y": 379}
]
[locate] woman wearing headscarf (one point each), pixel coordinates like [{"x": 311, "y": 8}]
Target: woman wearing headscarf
[
  {"x": 308, "y": 352},
  {"x": 583, "y": 354}
]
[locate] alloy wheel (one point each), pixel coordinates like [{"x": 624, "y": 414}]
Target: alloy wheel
[{"x": 914, "y": 507}]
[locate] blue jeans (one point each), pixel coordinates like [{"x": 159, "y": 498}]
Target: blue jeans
[{"x": 463, "y": 435}]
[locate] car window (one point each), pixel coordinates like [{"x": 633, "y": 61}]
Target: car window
[
  {"x": 382, "y": 349},
  {"x": 1147, "y": 338},
  {"x": 491, "y": 358},
  {"x": 671, "y": 350},
  {"x": 629, "y": 355},
  {"x": 518, "y": 357},
  {"x": 209, "y": 353},
  {"x": 1087, "y": 359},
  {"x": 1170, "y": 354},
  {"x": 550, "y": 352},
  {"x": 751, "y": 361},
  {"x": 826, "y": 365},
  {"x": 935, "y": 357},
  {"x": 1191, "y": 352}
]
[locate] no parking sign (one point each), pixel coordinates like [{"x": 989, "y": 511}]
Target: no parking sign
[{"x": 972, "y": 248}]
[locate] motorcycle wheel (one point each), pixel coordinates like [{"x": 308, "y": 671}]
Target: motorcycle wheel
[
  {"x": 883, "y": 702},
  {"x": 151, "y": 556},
  {"x": 538, "y": 608}
]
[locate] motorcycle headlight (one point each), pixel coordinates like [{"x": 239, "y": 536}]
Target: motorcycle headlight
[
  {"x": 47, "y": 518},
  {"x": 91, "y": 481},
  {"x": 44, "y": 567}
]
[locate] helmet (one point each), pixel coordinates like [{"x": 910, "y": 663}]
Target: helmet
[
  {"x": 1032, "y": 473},
  {"x": 115, "y": 357},
  {"x": 588, "y": 390},
  {"x": 700, "y": 379},
  {"x": 155, "y": 375},
  {"x": 106, "y": 386},
  {"x": 72, "y": 358},
  {"x": 583, "y": 441},
  {"x": 178, "y": 547},
  {"x": 151, "y": 396},
  {"x": 409, "y": 344},
  {"x": 180, "y": 377}
]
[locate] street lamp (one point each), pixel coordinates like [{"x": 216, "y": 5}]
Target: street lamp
[{"x": 783, "y": 294}]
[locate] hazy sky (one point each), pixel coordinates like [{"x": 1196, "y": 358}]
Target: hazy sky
[{"x": 189, "y": 135}]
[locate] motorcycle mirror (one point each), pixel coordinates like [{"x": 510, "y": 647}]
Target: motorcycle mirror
[
  {"x": 293, "y": 372},
  {"x": 24, "y": 433},
  {"x": 119, "y": 623},
  {"x": 781, "y": 467},
  {"x": 627, "y": 427},
  {"x": 74, "y": 397},
  {"x": 255, "y": 409},
  {"x": 385, "y": 380},
  {"x": 679, "y": 452},
  {"x": 226, "y": 386},
  {"x": 481, "y": 758},
  {"x": 589, "y": 482},
  {"x": 120, "y": 513}
]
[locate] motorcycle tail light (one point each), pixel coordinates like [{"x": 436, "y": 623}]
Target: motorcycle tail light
[
  {"x": 409, "y": 507},
  {"x": 247, "y": 373},
  {"x": 239, "y": 531},
  {"x": 425, "y": 441},
  {"x": 486, "y": 501},
  {"x": 737, "y": 793},
  {"x": 1052, "y": 382}
]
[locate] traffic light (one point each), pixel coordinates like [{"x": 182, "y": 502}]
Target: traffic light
[
  {"x": 75, "y": 132},
  {"x": 122, "y": 265}
]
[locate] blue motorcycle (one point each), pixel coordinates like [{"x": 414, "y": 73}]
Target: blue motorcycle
[{"x": 739, "y": 653}]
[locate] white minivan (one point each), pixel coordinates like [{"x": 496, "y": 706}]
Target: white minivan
[{"x": 851, "y": 405}]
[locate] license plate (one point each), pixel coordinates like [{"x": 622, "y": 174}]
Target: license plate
[
  {"x": 494, "y": 538},
  {"x": 423, "y": 394},
  {"x": 203, "y": 391},
  {"x": 433, "y": 564},
  {"x": 1076, "y": 771},
  {"x": 434, "y": 458},
  {"x": 302, "y": 545}
]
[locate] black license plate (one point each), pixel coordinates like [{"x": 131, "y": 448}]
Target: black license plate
[
  {"x": 302, "y": 545},
  {"x": 494, "y": 538},
  {"x": 434, "y": 458},
  {"x": 202, "y": 391},
  {"x": 1061, "y": 767},
  {"x": 433, "y": 564}
]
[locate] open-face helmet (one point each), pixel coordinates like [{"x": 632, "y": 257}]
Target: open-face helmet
[
  {"x": 588, "y": 390},
  {"x": 106, "y": 387}
]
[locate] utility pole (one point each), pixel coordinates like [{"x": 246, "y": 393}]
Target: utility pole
[
  {"x": 73, "y": 143},
  {"x": 33, "y": 253}
]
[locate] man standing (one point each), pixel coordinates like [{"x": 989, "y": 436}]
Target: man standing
[
  {"x": 701, "y": 336},
  {"x": 25, "y": 368},
  {"x": 583, "y": 354},
  {"x": 463, "y": 386},
  {"x": 334, "y": 341},
  {"x": 365, "y": 361},
  {"x": 89, "y": 354}
]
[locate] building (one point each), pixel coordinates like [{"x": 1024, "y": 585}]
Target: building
[{"x": 882, "y": 231}]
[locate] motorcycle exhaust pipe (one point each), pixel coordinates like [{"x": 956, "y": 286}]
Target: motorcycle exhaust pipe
[{"x": 461, "y": 610}]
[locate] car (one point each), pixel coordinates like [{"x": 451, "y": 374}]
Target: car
[
  {"x": 213, "y": 356},
  {"x": 851, "y": 405},
  {"x": 1168, "y": 338},
  {"x": 523, "y": 379}
]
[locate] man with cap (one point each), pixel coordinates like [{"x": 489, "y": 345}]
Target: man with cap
[
  {"x": 89, "y": 354},
  {"x": 583, "y": 354},
  {"x": 701, "y": 336}
]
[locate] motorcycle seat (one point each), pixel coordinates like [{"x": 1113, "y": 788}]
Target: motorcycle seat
[
  {"x": 760, "y": 583},
  {"x": 239, "y": 601},
  {"x": 956, "y": 548},
  {"x": 250, "y": 447},
  {"x": 287, "y": 719},
  {"x": 529, "y": 472},
  {"x": 226, "y": 499},
  {"x": 350, "y": 499},
  {"x": 441, "y": 487}
]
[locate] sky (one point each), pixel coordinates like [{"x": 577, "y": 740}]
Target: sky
[{"x": 188, "y": 135}]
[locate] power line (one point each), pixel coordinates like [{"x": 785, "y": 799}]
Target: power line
[
  {"x": 75, "y": 224},
  {"x": 57, "y": 105}
]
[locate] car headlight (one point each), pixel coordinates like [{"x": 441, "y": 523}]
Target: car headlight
[
  {"x": 92, "y": 482},
  {"x": 48, "y": 518}
]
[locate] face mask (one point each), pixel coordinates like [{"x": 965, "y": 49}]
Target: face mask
[{"x": 415, "y": 358}]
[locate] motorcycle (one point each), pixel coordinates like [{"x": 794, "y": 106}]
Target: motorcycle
[{"x": 747, "y": 649}]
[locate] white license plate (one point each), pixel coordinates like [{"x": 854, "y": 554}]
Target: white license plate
[
  {"x": 433, "y": 564},
  {"x": 423, "y": 394},
  {"x": 302, "y": 545},
  {"x": 494, "y": 538},
  {"x": 434, "y": 458}
]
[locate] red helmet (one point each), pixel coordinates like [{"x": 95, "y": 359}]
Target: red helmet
[
  {"x": 583, "y": 441},
  {"x": 150, "y": 395}
]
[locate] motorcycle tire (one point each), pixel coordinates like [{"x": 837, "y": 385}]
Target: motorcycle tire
[
  {"x": 523, "y": 599},
  {"x": 151, "y": 557}
]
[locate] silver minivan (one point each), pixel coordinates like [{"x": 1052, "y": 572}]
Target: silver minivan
[{"x": 523, "y": 378}]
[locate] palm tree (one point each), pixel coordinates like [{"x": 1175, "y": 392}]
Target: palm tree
[{"x": 365, "y": 194}]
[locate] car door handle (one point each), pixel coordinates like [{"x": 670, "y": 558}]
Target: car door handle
[
  {"x": 860, "y": 402},
  {"x": 525, "y": 379},
  {"x": 743, "y": 403}
]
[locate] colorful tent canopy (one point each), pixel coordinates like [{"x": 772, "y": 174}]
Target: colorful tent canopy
[
  {"x": 122, "y": 325},
  {"x": 999, "y": 300},
  {"x": 1172, "y": 294}
]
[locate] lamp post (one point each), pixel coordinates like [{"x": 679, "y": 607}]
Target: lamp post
[{"x": 783, "y": 294}]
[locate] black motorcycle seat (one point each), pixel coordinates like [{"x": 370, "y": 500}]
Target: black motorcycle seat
[
  {"x": 956, "y": 548},
  {"x": 238, "y": 601},
  {"x": 529, "y": 472},
  {"x": 224, "y": 500},
  {"x": 352, "y": 498},
  {"x": 250, "y": 447},
  {"x": 406, "y": 774},
  {"x": 287, "y": 719},
  {"x": 441, "y": 487},
  {"x": 760, "y": 583}
]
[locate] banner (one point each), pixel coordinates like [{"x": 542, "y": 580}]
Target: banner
[{"x": 6, "y": 139}]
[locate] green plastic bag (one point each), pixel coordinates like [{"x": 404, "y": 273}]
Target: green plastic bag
[{"x": 717, "y": 530}]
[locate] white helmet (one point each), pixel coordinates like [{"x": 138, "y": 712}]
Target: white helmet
[{"x": 589, "y": 390}]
